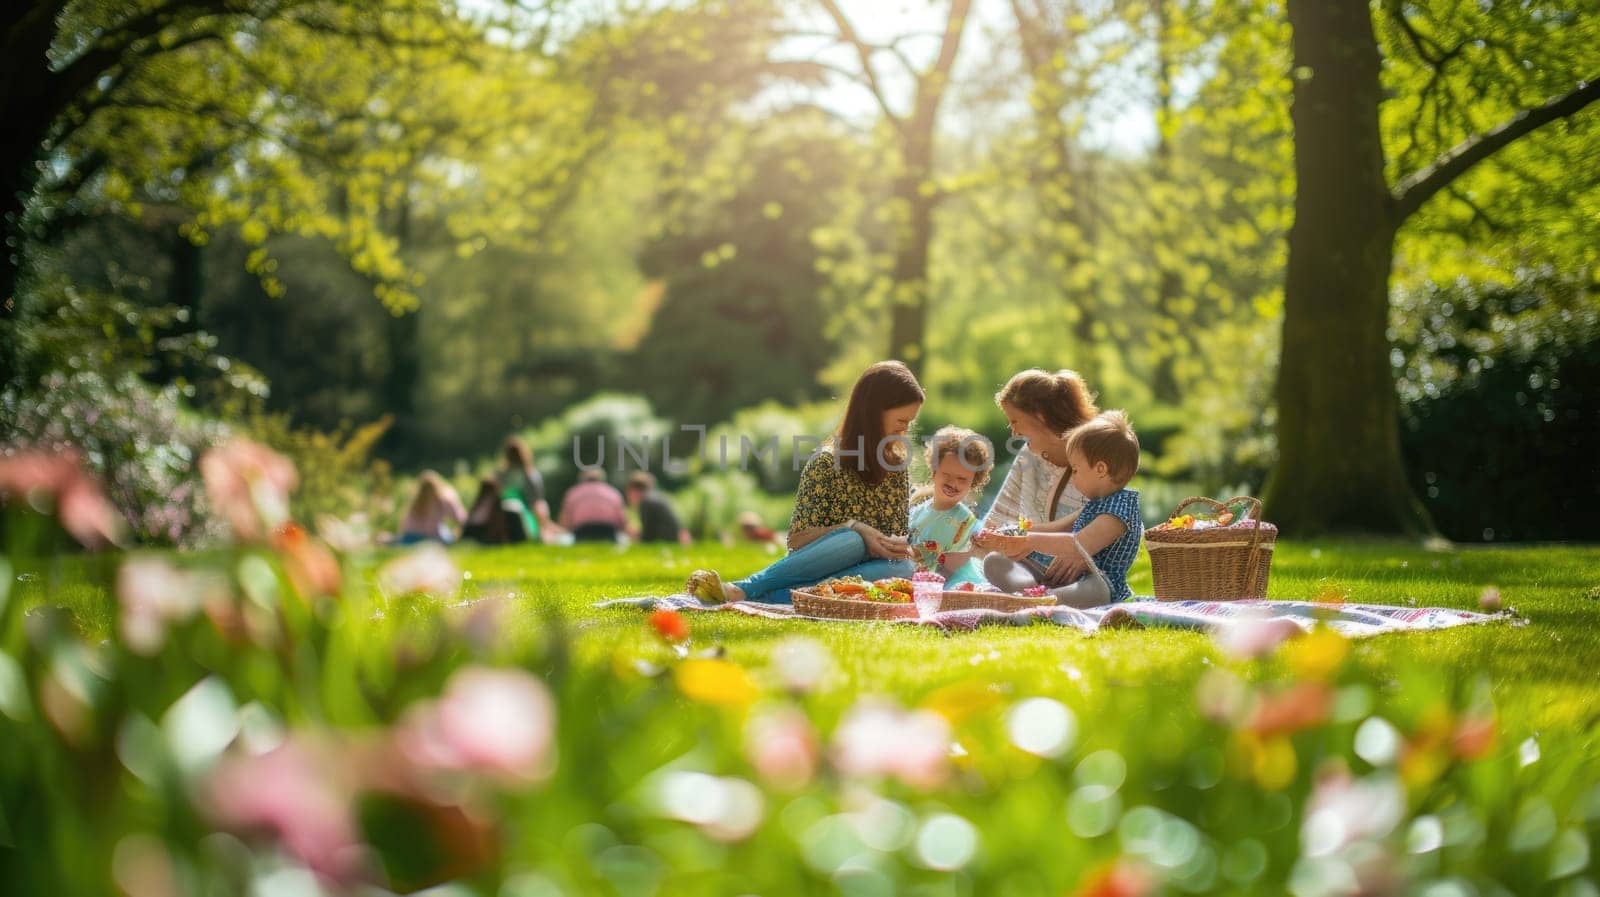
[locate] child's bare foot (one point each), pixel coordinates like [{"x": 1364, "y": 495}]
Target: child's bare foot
[{"x": 707, "y": 586}]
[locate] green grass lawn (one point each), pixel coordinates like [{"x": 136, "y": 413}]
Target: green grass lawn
[
  {"x": 1169, "y": 764},
  {"x": 1542, "y": 674}
]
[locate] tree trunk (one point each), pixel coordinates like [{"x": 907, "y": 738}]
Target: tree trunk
[
  {"x": 185, "y": 290},
  {"x": 1339, "y": 467},
  {"x": 1164, "y": 385},
  {"x": 28, "y": 107},
  {"x": 403, "y": 338},
  {"x": 908, "y": 317}
]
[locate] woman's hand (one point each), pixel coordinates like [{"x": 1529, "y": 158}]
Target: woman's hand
[{"x": 890, "y": 548}]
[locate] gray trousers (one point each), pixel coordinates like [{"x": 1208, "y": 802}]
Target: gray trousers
[{"x": 1091, "y": 590}]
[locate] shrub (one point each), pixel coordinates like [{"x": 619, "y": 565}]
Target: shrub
[
  {"x": 140, "y": 440},
  {"x": 596, "y": 426},
  {"x": 339, "y": 477},
  {"x": 1502, "y": 411}
]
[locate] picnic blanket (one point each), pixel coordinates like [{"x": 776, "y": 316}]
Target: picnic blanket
[{"x": 1352, "y": 620}]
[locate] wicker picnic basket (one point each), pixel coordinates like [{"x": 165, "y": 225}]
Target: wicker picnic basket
[
  {"x": 814, "y": 604},
  {"x": 1219, "y": 564}
]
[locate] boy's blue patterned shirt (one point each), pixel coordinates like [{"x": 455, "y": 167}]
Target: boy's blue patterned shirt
[{"x": 1115, "y": 559}]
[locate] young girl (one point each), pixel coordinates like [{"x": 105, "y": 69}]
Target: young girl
[
  {"x": 850, "y": 516},
  {"x": 1102, "y": 456},
  {"x": 942, "y": 525}
]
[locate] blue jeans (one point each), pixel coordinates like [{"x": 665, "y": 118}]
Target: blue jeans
[{"x": 839, "y": 553}]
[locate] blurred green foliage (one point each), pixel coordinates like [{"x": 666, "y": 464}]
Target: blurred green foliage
[
  {"x": 469, "y": 221},
  {"x": 260, "y": 725},
  {"x": 1521, "y": 362}
]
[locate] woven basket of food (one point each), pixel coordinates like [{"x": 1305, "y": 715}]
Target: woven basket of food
[
  {"x": 853, "y": 598},
  {"x": 1212, "y": 550}
]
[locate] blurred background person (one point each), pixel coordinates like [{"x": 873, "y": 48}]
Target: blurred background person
[
  {"x": 494, "y": 520},
  {"x": 433, "y": 511},
  {"x": 519, "y": 481},
  {"x": 593, "y": 510},
  {"x": 751, "y": 528},
  {"x": 658, "y": 521}
]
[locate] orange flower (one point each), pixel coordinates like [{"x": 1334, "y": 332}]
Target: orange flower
[
  {"x": 1301, "y": 706},
  {"x": 670, "y": 625},
  {"x": 312, "y": 568},
  {"x": 1119, "y": 879},
  {"x": 1474, "y": 737}
]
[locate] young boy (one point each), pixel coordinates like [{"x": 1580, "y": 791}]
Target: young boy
[
  {"x": 1093, "y": 558},
  {"x": 942, "y": 526}
]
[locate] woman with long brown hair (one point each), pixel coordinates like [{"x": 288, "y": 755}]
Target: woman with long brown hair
[{"x": 851, "y": 514}]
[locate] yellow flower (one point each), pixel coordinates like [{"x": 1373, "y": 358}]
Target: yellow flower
[
  {"x": 713, "y": 681},
  {"x": 1270, "y": 761},
  {"x": 1319, "y": 655},
  {"x": 959, "y": 700}
]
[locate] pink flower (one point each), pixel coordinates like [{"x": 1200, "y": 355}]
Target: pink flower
[
  {"x": 299, "y": 793},
  {"x": 782, "y": 747},
  {"x": 425, "y": 569},
  {"x": 1221, "y": 696},
  {"x": 880, "y": 739},
  {"x": 500, "y": 722},
  {"x": 154, "y": 594},
  {"x": 1343, "y": 811},
  {"x": 801, "y": 663},
  {"x": 1254, "y": 636},
  {"x": 37, "y": 477},
  {"x": 249, "y": 484}
]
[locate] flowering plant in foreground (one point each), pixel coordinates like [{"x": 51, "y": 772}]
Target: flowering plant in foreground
[{"x": 289, "y": 717}]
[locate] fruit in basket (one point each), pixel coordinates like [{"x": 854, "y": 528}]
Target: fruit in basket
[{"x": 1035, "y": 592}]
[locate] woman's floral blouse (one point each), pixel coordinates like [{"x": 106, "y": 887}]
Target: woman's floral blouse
[{"x": 831, "y": 493}]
